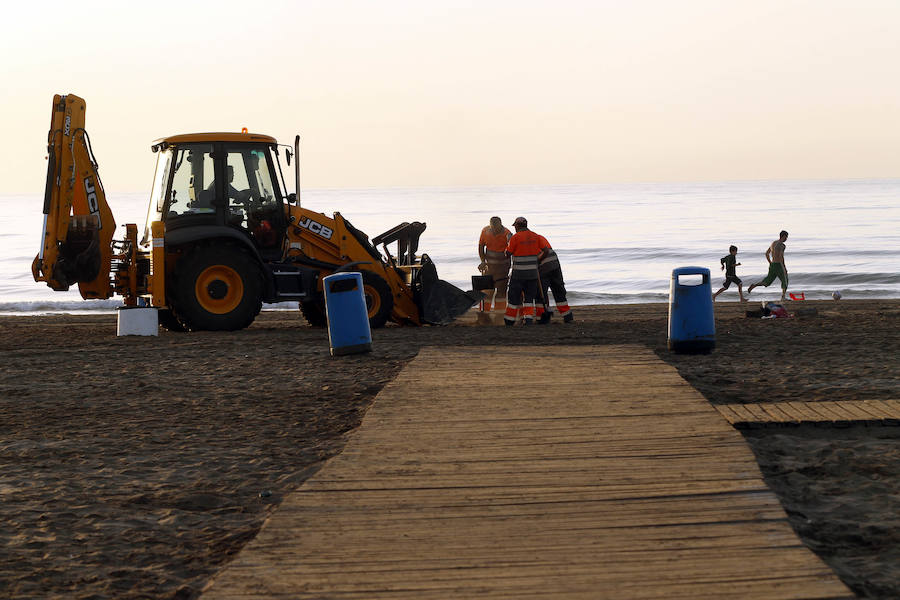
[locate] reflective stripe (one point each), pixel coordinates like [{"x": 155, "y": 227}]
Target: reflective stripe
[
  {"x": 511, "y": 311},
  {"x": 525, "y": 265},
  {"x": 563, "y": 308},
  {"x": 550, "y": 262}
]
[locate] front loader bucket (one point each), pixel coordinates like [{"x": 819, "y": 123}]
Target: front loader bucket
[{"x": 439, "y": 301}]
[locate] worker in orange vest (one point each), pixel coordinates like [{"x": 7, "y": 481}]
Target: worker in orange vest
[
  {"x": 495, "y": 262},
  {"x": 551, "y": 279},
  {"x": 526, "y": 249}
]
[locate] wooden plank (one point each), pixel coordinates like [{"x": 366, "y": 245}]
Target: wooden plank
[
  {"x": 787, "y": 408},
  {"x": 854, "y": 409},
  {"x": 840, "y": 414},
  {"x": 729, "y": 415},
  {"x": 822, "y": 411},
  {"x": 806, "y": 414},
  {"x": 446, "y": 492},
  {"x": 883, "y": 408},
  {"x": 875, "y": 413},
  {"x": 742, "y": 415},
  {"x": 759, "y": 415},
  {"x": 771, "y": 413},
  {"x": 811, "y": 412},
  {"x": 776, "y": 409},
  {"x": 890, "y": 408}
]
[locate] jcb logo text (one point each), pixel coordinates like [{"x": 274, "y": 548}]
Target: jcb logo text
[
  {"x": 316, "y": 228},
  {"x": 93, "y": 205}
]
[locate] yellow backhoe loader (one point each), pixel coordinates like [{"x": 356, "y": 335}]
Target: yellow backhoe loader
[{"x": 222, "y": 237}]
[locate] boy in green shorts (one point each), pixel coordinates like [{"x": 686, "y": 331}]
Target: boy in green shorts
[{"x": 777, "y": 268}]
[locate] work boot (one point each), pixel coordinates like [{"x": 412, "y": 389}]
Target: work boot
[
  {"x": 527, "y": 321},
  {"x": 509, "y": 323},
  {"x": 545, "y": 318},
  {"x": 568, "y": 318}
]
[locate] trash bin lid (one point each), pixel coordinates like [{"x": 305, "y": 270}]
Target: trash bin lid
[{"x": 690, "y": 271}]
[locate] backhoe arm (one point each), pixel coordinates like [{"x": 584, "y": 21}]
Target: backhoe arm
[{"x": 76, "y": 244}]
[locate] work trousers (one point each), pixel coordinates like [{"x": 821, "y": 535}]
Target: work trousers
[
  {"x": 522, "y": 293},
  {"x": 499, "y": 270},
  {"x": 553, "y": 281}
]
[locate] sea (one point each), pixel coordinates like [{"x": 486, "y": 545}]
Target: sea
[{"x": 617, "y": 243}]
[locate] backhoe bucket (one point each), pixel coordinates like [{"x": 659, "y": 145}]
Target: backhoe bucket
[{"x": 441, "y": 302}]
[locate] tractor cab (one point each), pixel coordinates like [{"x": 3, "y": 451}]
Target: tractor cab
[{"x": 224, "y": 183}]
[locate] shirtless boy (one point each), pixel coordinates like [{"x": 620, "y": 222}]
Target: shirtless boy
[{"x": 777, "y": 268}]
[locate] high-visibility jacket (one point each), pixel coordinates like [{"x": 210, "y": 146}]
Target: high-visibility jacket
[
  {"x": 494, "y": 242},
  {"x": 495, "y": 248},
  {"x": 524, "y": 248},
  {"x": 550, "y": 262}
]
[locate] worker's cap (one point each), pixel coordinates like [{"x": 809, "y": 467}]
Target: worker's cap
[{"x": 520, "y": 222}]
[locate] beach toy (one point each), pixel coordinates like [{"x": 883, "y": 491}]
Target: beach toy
[
  {"x": 347, "y": 315},
  {"x": 802, "y": 296},
  {"x": 692, "y": 326}
]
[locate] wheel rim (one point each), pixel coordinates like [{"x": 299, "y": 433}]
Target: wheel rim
[
  {"x": 219, "y": 289},
  {"x": 373, "y": 300}
]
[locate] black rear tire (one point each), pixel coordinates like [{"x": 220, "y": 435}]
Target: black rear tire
[{"x": 217, "y": 289}]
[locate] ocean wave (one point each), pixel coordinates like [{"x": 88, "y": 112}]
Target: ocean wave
[
  {"x": 843, "y": 278},
  {"x": 582, "y": 298},
  {"x": 47, "y": 307},
  {"x": 575, "y": 297}
]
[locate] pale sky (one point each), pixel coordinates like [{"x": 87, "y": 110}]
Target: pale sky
[{"x": 396, "y": 93}]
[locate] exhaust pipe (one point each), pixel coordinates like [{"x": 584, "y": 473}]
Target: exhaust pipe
[{"x": 297, "y": 167}]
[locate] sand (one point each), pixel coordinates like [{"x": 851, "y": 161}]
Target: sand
[{"x": 137, "y": 467}]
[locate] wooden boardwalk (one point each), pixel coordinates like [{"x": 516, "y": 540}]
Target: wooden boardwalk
[
  {"x": 551, "y": 472},
  {"x": 885, "y": 412}
]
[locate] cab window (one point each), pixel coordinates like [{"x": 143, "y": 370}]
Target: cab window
[
  {"x": 157, "y": 195},
  {"x": 193, "y": 184},
  {"x": 252, "y": 199}
]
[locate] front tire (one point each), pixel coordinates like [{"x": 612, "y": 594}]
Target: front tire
[
  {"x": 314, "y": 312},
  {"x": 379, "y": 303},
  {"x": 379, "y": 299},
  {"x": 218, "y": 289}
]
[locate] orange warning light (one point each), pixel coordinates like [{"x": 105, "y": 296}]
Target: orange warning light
[{"x": 243, "y": 130}]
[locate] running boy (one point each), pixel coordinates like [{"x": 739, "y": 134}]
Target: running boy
[{"x": 729, "y": 264}]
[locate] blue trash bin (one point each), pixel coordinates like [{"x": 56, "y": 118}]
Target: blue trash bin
[
  {"x": 348, "y": 318},
  {"x": 692, "y": 326}
]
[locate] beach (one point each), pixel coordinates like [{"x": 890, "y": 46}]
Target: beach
[{"x": 137, "y": 467}]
